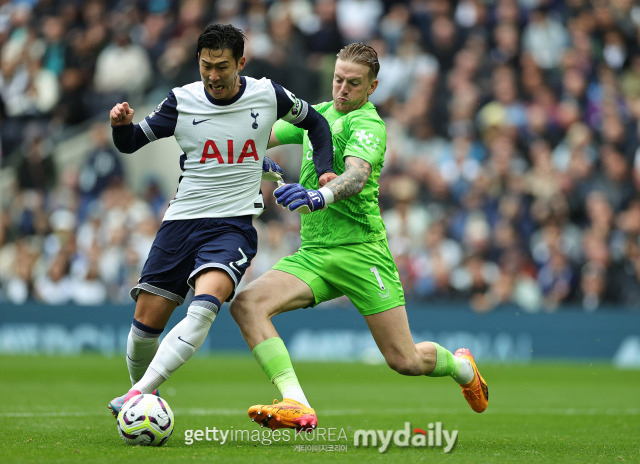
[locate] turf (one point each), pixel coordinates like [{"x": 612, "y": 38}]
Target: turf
[{"x": 53, "y": 409}]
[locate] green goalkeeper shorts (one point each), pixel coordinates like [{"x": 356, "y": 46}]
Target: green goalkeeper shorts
[{"x": 365, "y": 273}]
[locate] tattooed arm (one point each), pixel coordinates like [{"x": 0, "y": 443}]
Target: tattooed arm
[{"x": 352, "y": 180}]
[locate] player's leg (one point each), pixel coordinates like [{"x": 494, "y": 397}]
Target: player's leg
[
  {"x": 211, "y": 256},
  {"x": 181, "y": 343},
  {"x": 272, "y": 293},
  {"x": 372, "y": 283},
  {"x": 150, "y": 318},
  {"x": 390, "y": 330},
  {"x": 223, "y": 250},
  {"x": 161, "y": 288}
]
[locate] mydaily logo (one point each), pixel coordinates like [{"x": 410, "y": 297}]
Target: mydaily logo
[{"x": 434, "y": 436}]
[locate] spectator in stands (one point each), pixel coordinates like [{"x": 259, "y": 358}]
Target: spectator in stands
[
  {"x": 87, "y": 288},
  {"x": 102, "y": 167},
  {"x": 17, "y": 270},
  {"x": 506, "y": 49},
  {"x": 123, "y": 69},
  {"x": 36, "y": 169},
  {"x": 593, "y": 286},
  {"x": 515, "y": 146},
  {"x": 323, "y": 38},
  {"x": 357, "y": 19},
  {"x": 545, "y": 37},
  {"x": 434, "y": 261},
  {"x": 54, "y": 287},
  {"x": 557, "y": 280}
]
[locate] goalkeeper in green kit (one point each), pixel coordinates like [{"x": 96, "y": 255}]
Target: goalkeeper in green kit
[{"x": 344, "y": 251}]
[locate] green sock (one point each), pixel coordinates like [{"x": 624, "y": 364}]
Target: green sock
[
  {"x": 445, "y": 362},
  {"x": 448, "y": 364},
  {"x": 273, "y": 357}
]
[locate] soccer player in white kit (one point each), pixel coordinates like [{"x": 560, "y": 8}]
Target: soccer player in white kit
[{"x": 207, "y": 240}]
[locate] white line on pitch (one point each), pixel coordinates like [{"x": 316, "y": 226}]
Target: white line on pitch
[{"x": 358, "y": 412}]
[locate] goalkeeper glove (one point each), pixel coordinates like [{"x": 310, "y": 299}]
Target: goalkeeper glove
[
  {"x": 270, "y": 170},
  {"x": 296, "y": 198}
]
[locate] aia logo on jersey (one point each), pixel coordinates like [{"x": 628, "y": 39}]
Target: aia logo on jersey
[
  {"x": 255, "y": 116},
  {"x": 211, "y": 151}
]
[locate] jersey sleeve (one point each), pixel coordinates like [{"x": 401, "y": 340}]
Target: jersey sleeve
[
  {"x": 301, "y": 115},
  {"x": 290, "y": 108},
  {"x": 159, "y": 124},
  {"x": 162, "y": 121},
  {"x": 288, "y": 133},
  {"x": 367, "y": 139}
]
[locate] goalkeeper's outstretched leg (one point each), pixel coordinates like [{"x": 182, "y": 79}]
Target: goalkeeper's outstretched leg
[{"x": 390, "y": 330}]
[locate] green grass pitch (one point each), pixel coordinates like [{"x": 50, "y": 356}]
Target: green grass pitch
[{"x": 53, "y": 409}]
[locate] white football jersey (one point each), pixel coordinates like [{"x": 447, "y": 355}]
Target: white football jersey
[{"x": 223, "y": 144}]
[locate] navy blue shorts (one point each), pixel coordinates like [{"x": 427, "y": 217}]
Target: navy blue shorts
[{"x": 184, "y": 248}]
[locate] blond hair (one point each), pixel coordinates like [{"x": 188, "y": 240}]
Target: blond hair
[{"x": 361, "y": 54}]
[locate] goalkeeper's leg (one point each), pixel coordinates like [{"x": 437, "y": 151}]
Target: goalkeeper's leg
[
  {"x": 390, "y": 330},
  {"x": 272, "y": 293}
]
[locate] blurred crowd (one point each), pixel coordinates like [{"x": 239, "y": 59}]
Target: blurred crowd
[{"x": 512, "y": 169}]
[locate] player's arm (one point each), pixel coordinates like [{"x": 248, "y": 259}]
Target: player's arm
[
  {"x": 274, "y": 141},
  {"x": 370, "y": 147},
  {"x": 299, "y": 113},
  {"x": 351, "y": 182},
  {"x": 129, "y": 137},
  {"x": 319, "y": 134},
  {"x": 370, "y": 150}
]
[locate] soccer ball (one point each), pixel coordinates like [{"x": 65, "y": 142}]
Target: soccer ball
[{"x": 145, "y": 420}]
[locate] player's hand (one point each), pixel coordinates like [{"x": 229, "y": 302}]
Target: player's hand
[
  {"x": 296, "y": 198},
  {"x": 271, "y": 171},
  {"x": 121, "y": 114},
  {"x": 326, "y": 177}
]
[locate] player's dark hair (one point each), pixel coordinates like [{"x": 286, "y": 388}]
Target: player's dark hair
[
  {"x": 361, "y": 54},
  {"x": 221, "y": 36}
]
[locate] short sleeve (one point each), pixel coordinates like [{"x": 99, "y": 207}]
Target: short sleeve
[
  {"x": 288, "y": 133},
  {"x": 367, "y": 139}
]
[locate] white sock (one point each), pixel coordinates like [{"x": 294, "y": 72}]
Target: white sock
[
  {"x": 296, "y": 394},
  {"x": 463, "y": 373},
  {"x": 180, "y": 343},
  {"x": 149, "y": 382},
  {"x": 141, "y": 348}
]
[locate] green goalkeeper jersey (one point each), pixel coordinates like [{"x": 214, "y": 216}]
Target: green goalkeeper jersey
[{"x": 360, "y": 133}]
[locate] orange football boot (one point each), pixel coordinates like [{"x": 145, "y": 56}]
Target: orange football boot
[
  {"x": 287, "y": 414},
  {"x": 475, "y": 392}
]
